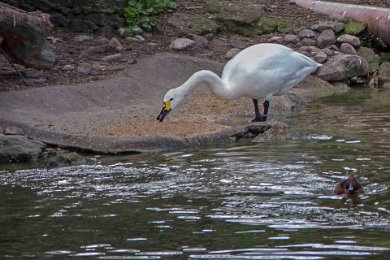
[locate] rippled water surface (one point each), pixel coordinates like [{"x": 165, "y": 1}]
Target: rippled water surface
[{"x": 262, "y": 201}]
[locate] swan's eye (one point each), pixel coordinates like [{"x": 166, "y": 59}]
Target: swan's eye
[{"x": 171, "y": 99}]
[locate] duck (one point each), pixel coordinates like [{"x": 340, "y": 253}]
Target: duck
[
  {"x": 259, "y": 71},
  {"x": 348, "y": 186}
]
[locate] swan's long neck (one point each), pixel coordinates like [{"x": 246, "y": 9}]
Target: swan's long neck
[{"x": 212, "y": 80}]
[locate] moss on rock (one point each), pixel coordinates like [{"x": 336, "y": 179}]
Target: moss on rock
[
  {"x": 265, "y": 24},
  {"x": 284, "y": 25},
  {"x": 370, "y": 56},
  {"x": 193, "y": 24},
  {"x": 384, "y": 72},
  {"x": 354, "y": 28}
]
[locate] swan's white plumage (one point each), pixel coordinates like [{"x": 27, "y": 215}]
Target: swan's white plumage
[
  {"x": 265, "y": 70},
  {"x": 262, "y": 70}
]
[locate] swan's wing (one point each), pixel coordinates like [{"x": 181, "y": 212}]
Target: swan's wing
[{"x": 265, "y": 69}]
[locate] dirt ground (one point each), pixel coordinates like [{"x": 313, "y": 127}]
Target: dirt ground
[{"x": 73, "y": 54}]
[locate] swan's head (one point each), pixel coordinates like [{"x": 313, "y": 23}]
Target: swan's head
[{"x": 172, "y": 99}]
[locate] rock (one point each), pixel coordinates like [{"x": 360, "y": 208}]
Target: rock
[
  {"x": 385, "y": 55},
  {"x": 314, "y": 52},
  {"x": 100, "y": 49},
  {"x": 63, "y": 159},
  {"x": 25, "y": 37},
  {"x": 125, "y": 32},
  {"x": 342, "y": 67},
  {"x": 307, "y": 33},
  {"x": 36, "y": 80},
  {"x": 101, "y": 13},
  {"x": 278, "y": 132},
  {"x": 68, "y": 67},
  {"x": 59, "y": 19},
  {"x": 140, "y": 38},
  {"x": 83, "y": 70},
  {"x": 370, "y": 56},
  {"x": 85, "y": 26},
  {"x": 138, "y": 30},
  {"x": 182, "y": 44},
  {"x": 102, "y": 39},
  {"x": 114, "y": 42},
  {"x": 327, "y": 37},
  {"x": 384, "y": 73},
  {"x": 82, "y": 38},
  {"x": 118, "y": 57},
  {"x": 1, "y": 131},
  {"x": 185, "y": 24},
  {"x": 320, "y": 57},
  {"x": 347, "y": 49},
  {"x": 276, "y": 39},
  {"x": 267, "y": 25},
  {"x": 353, "y": 40},
  {"x": 337, "y": 27},
  {"x": 200, "y": 40},
  {"x": 354, "y": 28},
  {"x": 16, "y": 148},
  {"x": 328, "y": 51},
  {"x": 105, "y": 30},
  {"x": 147, "y": 35},
  {"x": 10, "y": 130},
  {"x": 308, "y": 42},
  {"x": 134, "y": 39},
  {"x": 231, "y": 53},
  {"x": 356, "y": 81},
  {"x": 341, "y": 87},
  {"x": 373, "y": 81},
  {"x": 291, "y": 38},
  {"x": 386, "y": 85},
  {"x": 236, "y": 16},
  {"x": 310, "y": 49}
]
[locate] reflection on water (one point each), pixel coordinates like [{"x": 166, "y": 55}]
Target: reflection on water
[{"x": 242, "y": 202}]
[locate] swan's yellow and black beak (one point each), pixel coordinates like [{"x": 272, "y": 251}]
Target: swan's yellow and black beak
[{"x": 164, "y": 111}]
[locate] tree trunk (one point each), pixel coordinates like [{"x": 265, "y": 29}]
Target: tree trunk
[{"x": 25, "y": 36}]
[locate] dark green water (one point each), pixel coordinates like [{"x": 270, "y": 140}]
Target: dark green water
[{"x": 263, "y": 201}]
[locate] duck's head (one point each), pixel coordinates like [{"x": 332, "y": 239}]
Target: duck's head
[
  {"x": 349, "y": 186},
  {"x": 172, "y": 99}
]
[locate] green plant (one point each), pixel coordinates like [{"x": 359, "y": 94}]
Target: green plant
[{"x": 143, "y": 13}]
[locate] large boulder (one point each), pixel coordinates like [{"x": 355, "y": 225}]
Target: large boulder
[
  {"x": 17, "y": 148},
  {"x": 370, "y": 56},
  {"x": 240, "y": 17},
  {"x": 25, "y": 37},
  {"x": 344, "y": 66},
  {"x": 185, "y": 24},
  {"x": 90, "y": 15}
]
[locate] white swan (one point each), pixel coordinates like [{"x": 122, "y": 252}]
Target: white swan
[{"x": 262, "y": 70}]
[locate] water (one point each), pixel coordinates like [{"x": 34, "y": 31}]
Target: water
[{"x": 263, "y": 201}]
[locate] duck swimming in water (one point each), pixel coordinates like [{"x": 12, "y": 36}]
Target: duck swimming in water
[
  {"x": 349, "y": 186},
  {"x": 259, "y": 71}
]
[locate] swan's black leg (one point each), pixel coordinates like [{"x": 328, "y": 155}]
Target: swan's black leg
[
  {"x": 266, "y": 106},
  {"x": 258, "y": 116}
]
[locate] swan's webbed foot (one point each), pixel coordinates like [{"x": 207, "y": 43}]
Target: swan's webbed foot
[{"x": 260, "y": 119}]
